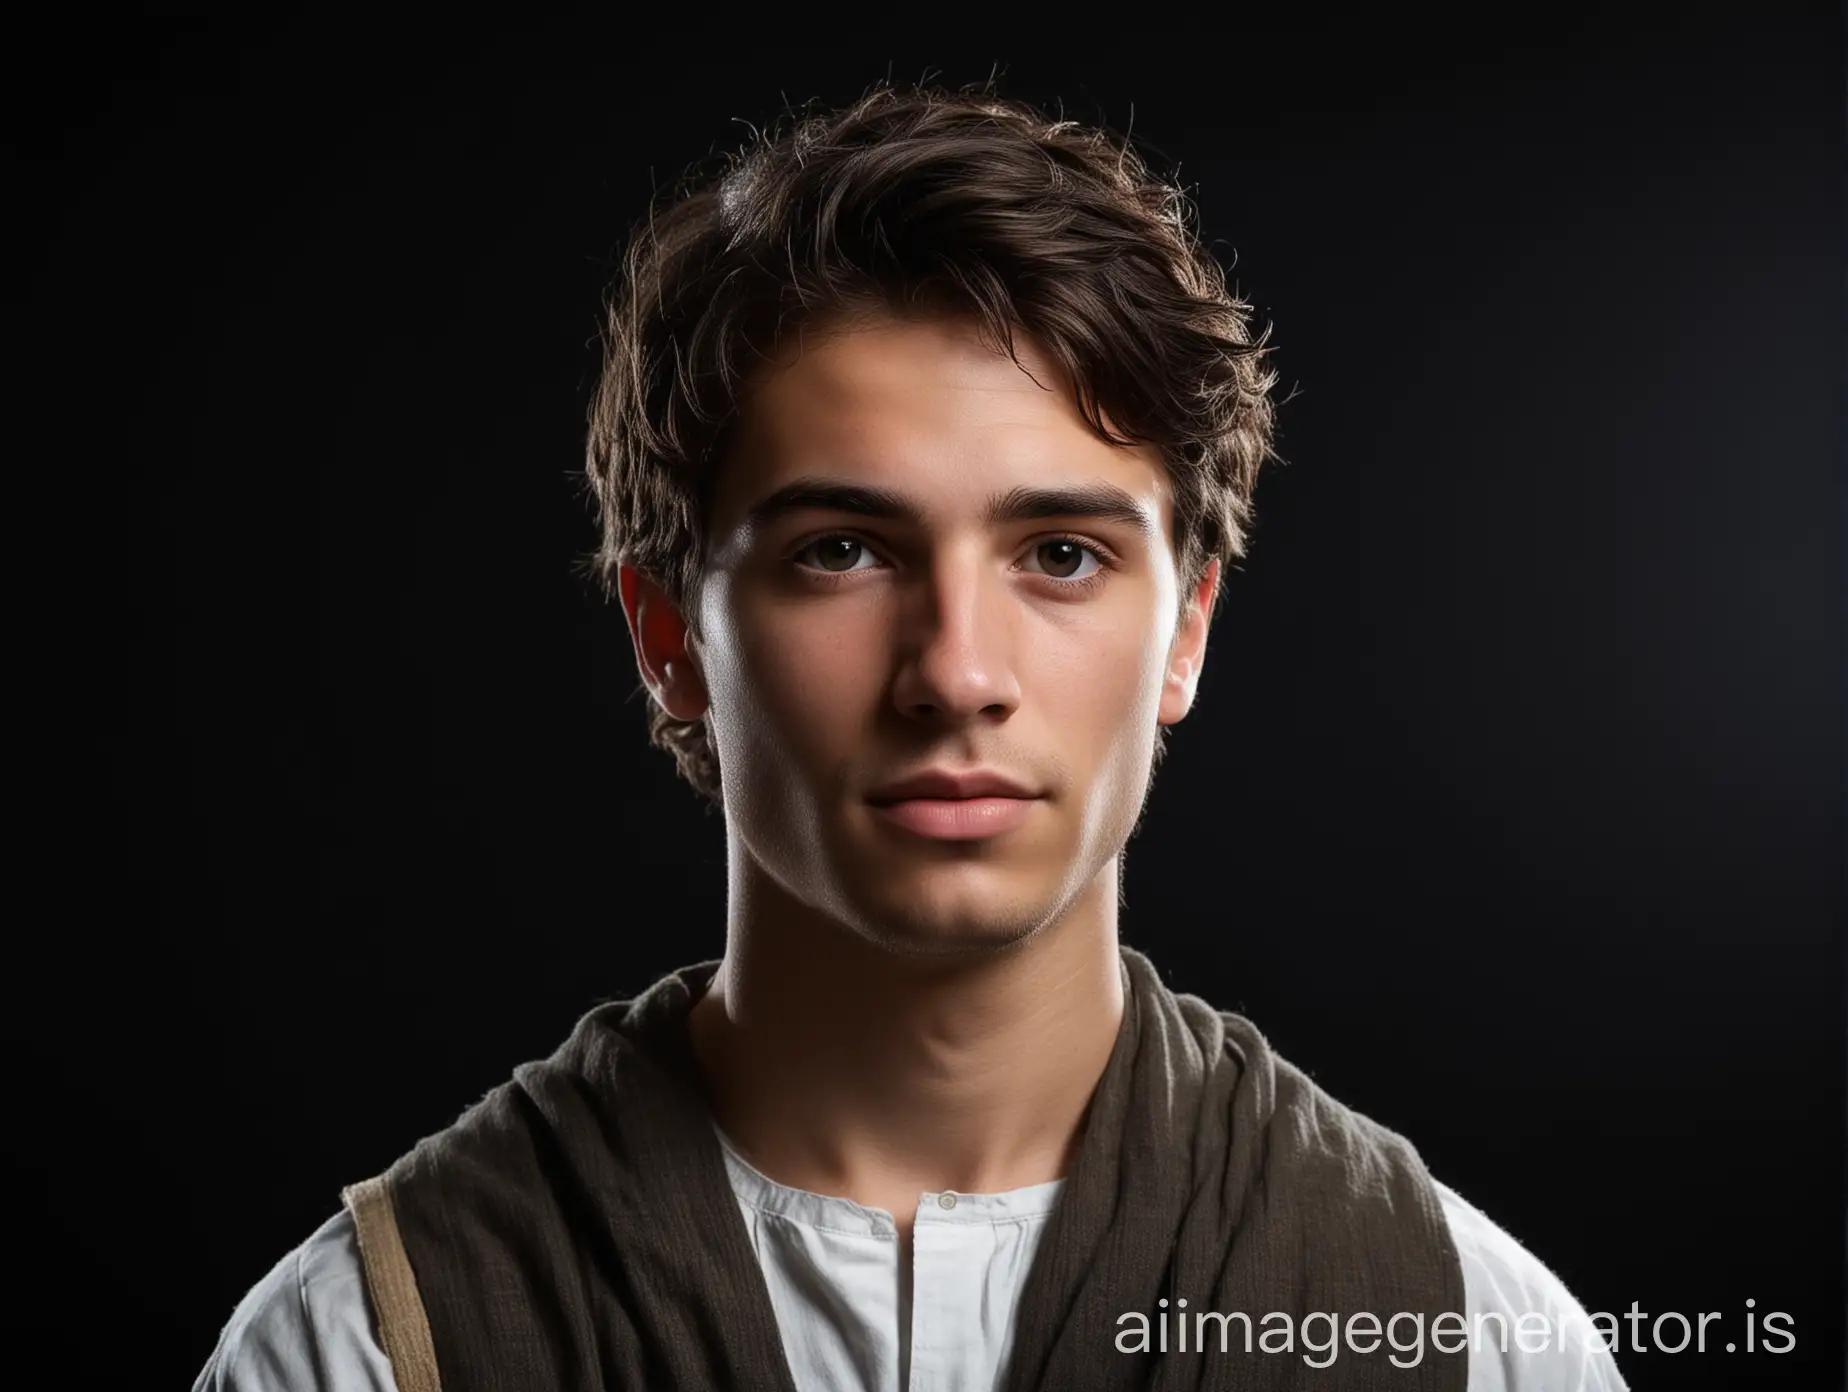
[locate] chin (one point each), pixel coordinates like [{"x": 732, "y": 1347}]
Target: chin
[{"x": 967, "y": 911}]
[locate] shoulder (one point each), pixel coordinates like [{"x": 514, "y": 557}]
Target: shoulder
[
  {"x": 1506, "y": 1284},
  {"x": 501, "y": 1141},
  {"x": 1340, "y": 1159},
  {"x": 305, "y": 1327}
]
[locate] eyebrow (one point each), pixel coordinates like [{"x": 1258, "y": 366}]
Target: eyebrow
[{"x": 1102, "y": 501}]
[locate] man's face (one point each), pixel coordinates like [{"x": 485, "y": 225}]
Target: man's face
[{"x": 842, "y": 651}]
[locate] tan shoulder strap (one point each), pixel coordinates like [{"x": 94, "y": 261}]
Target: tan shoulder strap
[{"x": 404, "y": 1329}]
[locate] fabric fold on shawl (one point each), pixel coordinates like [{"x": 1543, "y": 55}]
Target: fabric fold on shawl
[{"x": 576, "y": 1228}]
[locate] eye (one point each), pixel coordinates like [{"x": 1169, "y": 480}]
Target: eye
[
  {"x": 835, "y": 555},
  {"x": 1063, "y": 558}
]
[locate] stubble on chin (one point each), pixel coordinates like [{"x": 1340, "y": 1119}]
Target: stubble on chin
[{"x": 969, "y": 911}]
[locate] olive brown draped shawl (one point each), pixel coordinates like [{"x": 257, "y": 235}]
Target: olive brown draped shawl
[{"x": 576, "y": 1229}]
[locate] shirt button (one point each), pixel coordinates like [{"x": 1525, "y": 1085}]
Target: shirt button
[{"x": 946, "y": 1201}]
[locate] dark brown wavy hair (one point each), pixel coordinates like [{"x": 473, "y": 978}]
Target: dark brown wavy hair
[{"x": 921, "y": 201}]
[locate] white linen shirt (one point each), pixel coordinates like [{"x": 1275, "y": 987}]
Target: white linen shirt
[{"x": 849, "y": 1319}]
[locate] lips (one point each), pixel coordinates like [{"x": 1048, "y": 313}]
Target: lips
[
  {"x": 946, "y": 804},
  {"x": 952, "y": 784},
  {"x": 956, "y": 819}
]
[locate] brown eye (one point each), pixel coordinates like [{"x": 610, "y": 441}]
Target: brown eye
[
  {"x": 1063, "y": 558},
  {"x": 834, "y": 554}
]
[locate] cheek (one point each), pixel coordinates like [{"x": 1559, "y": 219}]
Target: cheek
[
  {"x": 789, "y": 685},
  {"x": 1101, "y": 694},
  {"x": 1101, "y": 683}
]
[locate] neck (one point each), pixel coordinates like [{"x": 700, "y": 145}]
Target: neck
[{"x": 844, "y": 1067}]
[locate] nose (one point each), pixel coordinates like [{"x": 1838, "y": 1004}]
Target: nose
[{"x": 957, "y": 645}]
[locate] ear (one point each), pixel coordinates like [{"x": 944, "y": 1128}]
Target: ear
[
  {"x": 660, "y": 635},
  {"x": 1188, "y": 652}
]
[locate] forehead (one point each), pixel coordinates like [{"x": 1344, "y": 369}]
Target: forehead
[{"x": 927, "y": 408}]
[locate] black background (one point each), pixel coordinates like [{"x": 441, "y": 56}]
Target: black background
[{"x": 1513, "y": 804}]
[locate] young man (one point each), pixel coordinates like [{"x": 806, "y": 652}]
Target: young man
[{"x": 923, "y": 437}]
